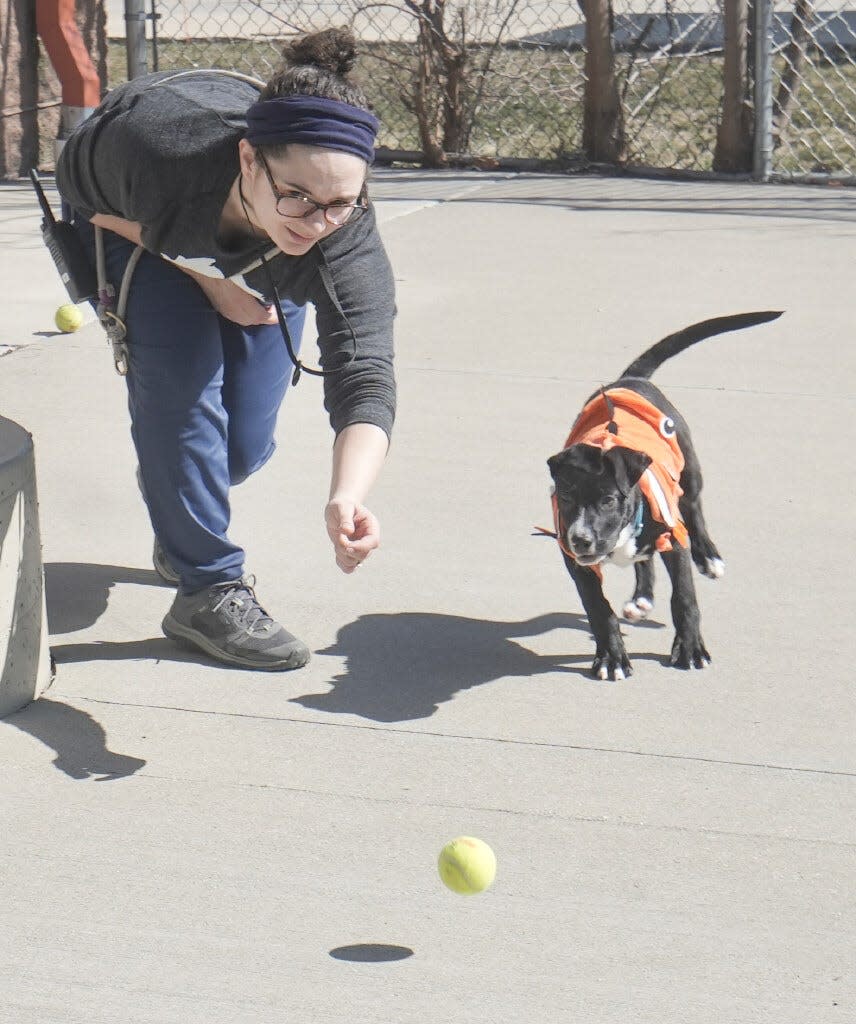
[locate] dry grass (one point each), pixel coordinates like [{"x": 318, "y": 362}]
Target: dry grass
[{"x": 531, "y": 104}]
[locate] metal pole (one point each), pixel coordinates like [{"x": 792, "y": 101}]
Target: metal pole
[
  {"x": 154, "y": 17},
  {"x": 135, "y": 38},
  {"x": 762, "y": 154}
]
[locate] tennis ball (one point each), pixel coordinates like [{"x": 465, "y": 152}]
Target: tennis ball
[
  {"x": 68, "y": 318},
  {"x": 467, "y": 865}
]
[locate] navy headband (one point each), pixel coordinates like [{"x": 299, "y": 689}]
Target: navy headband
[{"x": 313, "y": 121}]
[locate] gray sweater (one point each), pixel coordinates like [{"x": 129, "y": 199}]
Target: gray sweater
[{"x": 162, "y": 150}]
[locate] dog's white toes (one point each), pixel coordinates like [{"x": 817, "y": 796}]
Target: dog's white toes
[
  {"x": 633, "y": 611},
  {"x": 603, "y": 672},
  {"x": 715, "y": 568},
  {"x": 618, "y": 674}
]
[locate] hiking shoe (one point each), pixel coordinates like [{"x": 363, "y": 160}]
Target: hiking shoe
[
  {"x": 227, "y": 622},
  {"x": 163, "y": 566}
]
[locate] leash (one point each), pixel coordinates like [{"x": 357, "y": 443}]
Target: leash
[
  {"x": 110, "y": 311},
  {"x": 558, "y": 532}
]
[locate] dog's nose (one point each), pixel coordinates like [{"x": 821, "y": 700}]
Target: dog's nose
[{"x": 581, "y": 543}]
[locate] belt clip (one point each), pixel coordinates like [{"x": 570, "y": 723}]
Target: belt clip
[
  {"x": 116, "y": 334},
  {"x": 116, "y": 330}
]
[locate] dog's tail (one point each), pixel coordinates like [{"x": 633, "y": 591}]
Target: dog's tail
[{"x": 648, "y": 362}]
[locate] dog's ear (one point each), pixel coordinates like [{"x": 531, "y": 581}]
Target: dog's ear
[
  {"x": 628, "y": 466},
  {"x": 579, "y": 458}
]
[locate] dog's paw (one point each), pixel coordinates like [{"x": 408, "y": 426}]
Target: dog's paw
[
  {"x": 689, "y": 652},
  {"x": 609, "y": 666},
  {"x": 707, "y": 559},
  {"x": 637, "y": 608},
  {"x": 713, "y": 568}
]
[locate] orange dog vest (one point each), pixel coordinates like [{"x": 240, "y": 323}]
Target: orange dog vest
[{"x": 622, "y": 418}]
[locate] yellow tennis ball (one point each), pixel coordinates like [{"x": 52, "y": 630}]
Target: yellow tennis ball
[
  {"x": 68, "y": 318},
  {"x": 467, "y": 865}
]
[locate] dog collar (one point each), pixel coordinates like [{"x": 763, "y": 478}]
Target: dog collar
[{"x": 637, "y": 523}]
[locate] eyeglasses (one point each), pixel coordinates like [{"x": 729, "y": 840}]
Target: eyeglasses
[{"x": 295, "y": 204}]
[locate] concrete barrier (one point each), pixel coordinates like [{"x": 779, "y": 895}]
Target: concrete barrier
[{"x": 25, "y": 662}]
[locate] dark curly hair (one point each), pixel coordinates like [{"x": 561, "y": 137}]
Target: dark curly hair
[{"x": 318, "y": 64}]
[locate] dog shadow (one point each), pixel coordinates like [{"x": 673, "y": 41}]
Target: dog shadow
[
  {"x": 401, "y": 667},
  {"x": 79, "y": 740}
]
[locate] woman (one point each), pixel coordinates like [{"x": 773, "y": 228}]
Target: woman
[{"x": 241, "y": 200}]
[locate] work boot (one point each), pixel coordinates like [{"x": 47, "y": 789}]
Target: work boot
[{"x": 227, "y": 622}]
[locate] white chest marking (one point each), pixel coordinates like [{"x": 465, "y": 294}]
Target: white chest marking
[{"x": 624, "y": 553}]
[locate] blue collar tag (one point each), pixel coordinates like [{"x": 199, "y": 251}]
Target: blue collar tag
[{"x": 637, "y": 525}]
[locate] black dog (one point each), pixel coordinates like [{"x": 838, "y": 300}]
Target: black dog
[{"x": 628, "y": 483}]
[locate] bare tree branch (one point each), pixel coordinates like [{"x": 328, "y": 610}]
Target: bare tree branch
[
  {"x": 259, "y": 5},
  {"x": 795, "y": 58}
]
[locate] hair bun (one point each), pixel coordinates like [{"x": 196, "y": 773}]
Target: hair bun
[{"x": 333, "y": 50}]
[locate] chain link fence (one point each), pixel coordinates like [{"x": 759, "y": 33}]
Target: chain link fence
[
  {"x": 492, "y": 81},
  {"x": 814, "y": 109}
]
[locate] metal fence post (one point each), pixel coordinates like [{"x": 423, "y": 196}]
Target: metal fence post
[
  {"x": 762, "y": 155},
  {"x": 135, "y": 38}
]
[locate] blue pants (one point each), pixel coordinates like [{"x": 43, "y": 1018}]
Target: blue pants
[{"x": 203, "y": 394}]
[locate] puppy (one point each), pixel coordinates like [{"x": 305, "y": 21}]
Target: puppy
[{"x": 628, "y": 484}]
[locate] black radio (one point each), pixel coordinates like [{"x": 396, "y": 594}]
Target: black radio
[{"x": 67, "y": 252}]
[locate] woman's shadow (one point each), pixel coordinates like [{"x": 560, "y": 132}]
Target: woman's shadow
[
  {"x": 402, "y": 666},
  {"x": 77, "y": 593},
  {"x": 76, "y": 596},
  {"x": 79, "y": 741}
]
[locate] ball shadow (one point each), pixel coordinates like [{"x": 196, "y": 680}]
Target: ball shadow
[{"x": 371, "y": 953}]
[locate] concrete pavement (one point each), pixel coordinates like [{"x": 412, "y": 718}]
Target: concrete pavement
[{"x": 186, "y": 843}]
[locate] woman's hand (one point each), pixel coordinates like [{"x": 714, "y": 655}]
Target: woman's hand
[
  {"x": 354, "y": 531},
  {"x": 357, "y": 457},
  {"x": 233, "y": 303}
]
